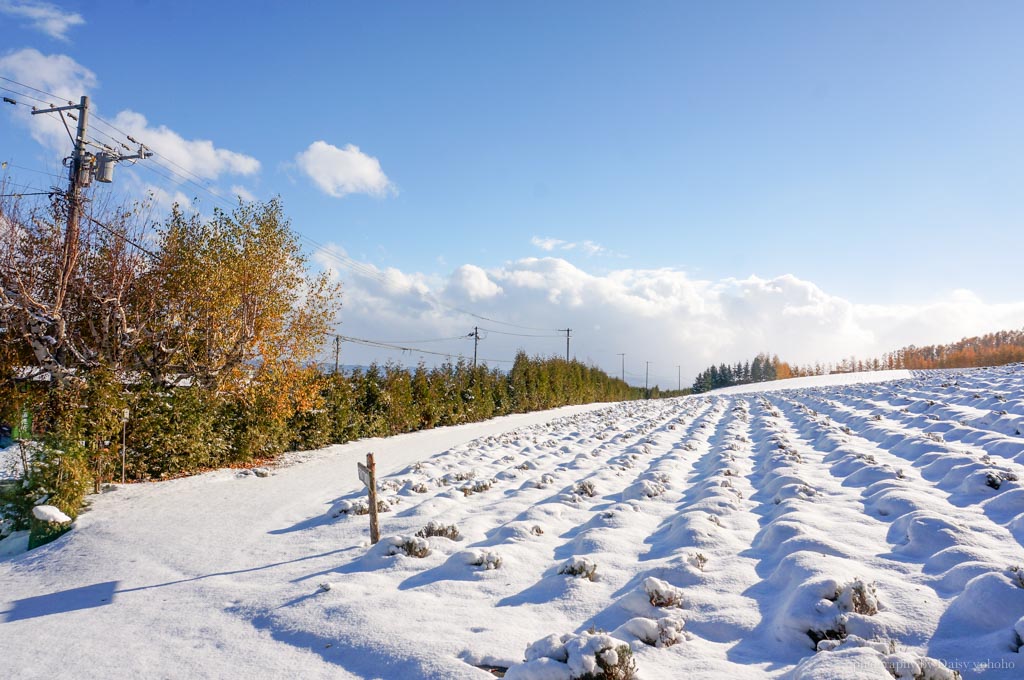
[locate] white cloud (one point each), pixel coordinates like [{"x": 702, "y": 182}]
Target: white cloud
[
  {"x": 473, "y": 283},
  {"x": 547, "y": 244},
  {"x": 42, "y": 16},
  {"x": 340, "y": 172},
  {"x": 55, "y": 73},
  {"x": 590, "y": 248},
  {"x": 198, "y": 156},
  {"x": 242, "y": 192},
  {"x": 661, "y": 315}
]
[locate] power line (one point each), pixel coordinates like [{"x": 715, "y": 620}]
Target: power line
[
  {"x": 121, "y": 236},
  {"x": 26, "y": 96},
  {"x": 385, "y": 345},
  {"x": 34, "y": 89},
  {"x": 35, "y": 193},
  {"x": 401, "y": 342},
  {"x": 518, "y": 335},
  {"x": 41, "y": 172}
]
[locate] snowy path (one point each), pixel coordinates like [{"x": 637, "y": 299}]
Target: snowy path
[{"x": 881, "y": 518}]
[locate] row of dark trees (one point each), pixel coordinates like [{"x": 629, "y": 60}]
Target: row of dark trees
[{"x": 761, "y": 368}]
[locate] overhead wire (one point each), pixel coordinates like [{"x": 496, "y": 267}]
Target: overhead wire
[
  {"x": 376, "y": 343},
  {"x": 41, "y": 172},
  {"x": 521, "y": 335},
  {"x": 122, "y": 237},
  {"x": 25, "y": 95},
  {"x": 34, "y": 89}
]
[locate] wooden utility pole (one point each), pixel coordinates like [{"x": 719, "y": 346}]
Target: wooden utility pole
[
  {"x": 79, "y": 175},
  {"x": 647, "y": 375},
  {"x": 566, "y": 331},
  {"x": 623, "y": 355},
  {"x": 337, "y": 352},
  {"x": 476, "y": 341},
  {"x": 368, "y": 475}
]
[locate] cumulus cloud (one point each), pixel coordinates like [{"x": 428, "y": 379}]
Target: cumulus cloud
[
  {"x": 197, "y": 156},
  {"x": 69, "y": 80},
  {"x": 473, "y": 283},
  {"x": 55, "y": 73},
  {"x": 340, "y": 172},
  {"x": 42, "y": 16},
  {"x": 665, "y": 316}
]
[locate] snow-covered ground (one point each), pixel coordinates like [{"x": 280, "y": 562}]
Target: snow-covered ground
[
  {"x": 719, "y": 536},
  {"x": 830, "y": 380}
]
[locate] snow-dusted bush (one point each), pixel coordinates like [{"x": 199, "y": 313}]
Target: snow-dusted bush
[
  {"x": 588, "y": 656},
  {"x": 545, "y": 481},
  {"x": 995, "y": 478},
  {"x": 697, "y": 560},
  {"x": 581, "y": 567},
  {"x": 413, "y": 546},
  {"x": 663, "y": 632},
  {"x": 585, "y": 488},
  {"x": 857, "y": 597},
  {"x": 642, "y": 489},
  {"x": 661, "y": 593},
  {"x": 901, "y": 665},
  {"x": 449, "y": 531},
  {"x": 477, "y": 486},
  {"x": 456, "y": 477},
  {"x": 359, "y": 506},
  {"x": 488, "y": 559}
]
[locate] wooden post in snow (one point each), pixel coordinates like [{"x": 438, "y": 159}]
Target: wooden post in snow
[{"x": 368, "y": 475}]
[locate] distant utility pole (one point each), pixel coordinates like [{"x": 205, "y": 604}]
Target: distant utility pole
[
  {"x": 623, "y": 355},
  {"x": 566, "y": 331},
  {"x": 337, "y": 352},
  {"x": 679, "y": 378},
  {"x": 476, "y": 341},
  {"x": 82, "y": 167},
  {"x": 647, "y": 375}
]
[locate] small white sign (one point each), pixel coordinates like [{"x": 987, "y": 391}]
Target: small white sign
[{"x": 364, "y": 474}]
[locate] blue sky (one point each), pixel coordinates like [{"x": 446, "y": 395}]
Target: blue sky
[{"x": 862, "y": 161}]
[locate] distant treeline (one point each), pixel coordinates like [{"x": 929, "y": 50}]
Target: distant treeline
[{"x": 992, "y": 349}]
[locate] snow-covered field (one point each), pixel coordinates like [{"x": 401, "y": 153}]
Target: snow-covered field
[{"x": 720, "y": 536}]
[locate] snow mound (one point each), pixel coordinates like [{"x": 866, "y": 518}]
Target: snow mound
[{"x": 49, "y": 513}]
